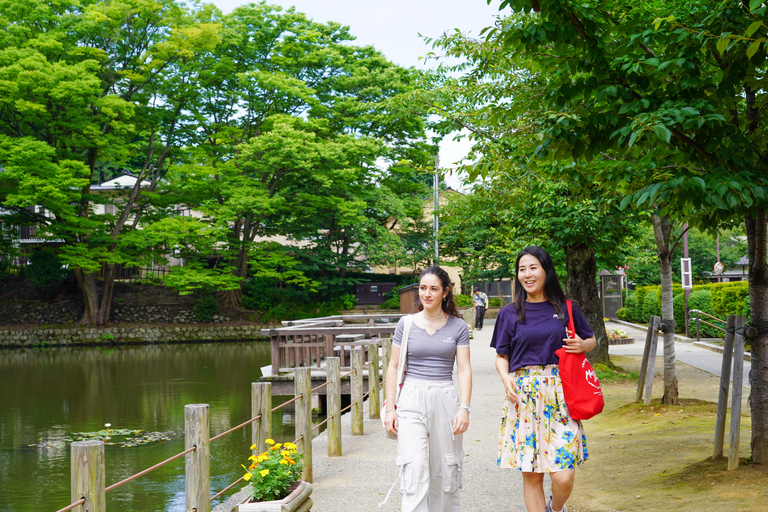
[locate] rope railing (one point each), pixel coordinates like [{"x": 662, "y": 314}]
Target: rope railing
[
  {"x": 79, "y": 502},
  {"x": 235, "y": 428},
  {"x": 202, "y": 420},
  {"x": 150, "y": 469}
]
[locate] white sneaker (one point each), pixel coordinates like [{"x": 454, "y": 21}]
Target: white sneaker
[{"x": 549, "y": 506}]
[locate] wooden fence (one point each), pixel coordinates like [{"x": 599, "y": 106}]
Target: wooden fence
[{"x": 88, "y": 489}]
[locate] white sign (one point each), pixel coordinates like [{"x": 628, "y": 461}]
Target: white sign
[{"x": 685, "y": 273}]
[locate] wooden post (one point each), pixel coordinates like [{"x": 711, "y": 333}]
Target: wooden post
[
  {"x": 88, "y": 475},
  {"x": 386, "y": 344},
  {"x": 374, "y": 399},
  {"x": 738, "y": 382},
  {"x": 725, "y": 381},
  {"x": 330, "y": 340},
  {"x": 333, "y": 393},
  {"x": 651, "y": 360},
  {"x": 303, "y": 385},
  {"x": 644, "y": 362},
  {"x": 261, "y": 404},
  {"x": 197, "y": 464},
  {"x": 275, "y": 353},
  {"x": 358, "y": 360}
]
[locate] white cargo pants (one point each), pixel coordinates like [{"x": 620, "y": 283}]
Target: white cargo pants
[{"x": 428, "y": 453}]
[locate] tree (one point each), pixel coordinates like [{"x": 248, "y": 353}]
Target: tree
[
  {"x": 284, "y": 137},
  {"x": 85, "y": 84},
  {"x": 674, "y": 90}
]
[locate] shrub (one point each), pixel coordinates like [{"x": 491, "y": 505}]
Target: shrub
[
  {"x": 393, "y": 300},
  {"x": 348, "y": 301},
  {"x": 462, "y": 301},
  {"x": 623, "y": 314},
  {"x": 678, "y": 304},
  {"x": 205, "y": 306},
  {"x": 44, "y": 271},
  {"x": 728, "y": 298},
  {"x": 651, "y": 306},
  {"x": 632, "y": 314},
  {"x": 702, "y": 300},
  {"x": 494, "y": 302}
]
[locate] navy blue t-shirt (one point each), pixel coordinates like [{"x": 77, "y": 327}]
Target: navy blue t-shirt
[{"x": 535, "y": 341}]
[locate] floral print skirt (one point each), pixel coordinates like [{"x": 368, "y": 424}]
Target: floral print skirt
[{"x": 537, "y": 434}]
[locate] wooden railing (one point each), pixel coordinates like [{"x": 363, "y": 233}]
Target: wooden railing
[
  {"x": 88, "y": 489},
  {"x": 306, "y": 342}
]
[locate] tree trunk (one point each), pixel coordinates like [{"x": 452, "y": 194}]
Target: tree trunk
[
  {"x": 97, "y": 306},
  {"x": 662, "y": 230},
  {"x": 757, "y": 239},
  {"x": 581, "y": 286}
]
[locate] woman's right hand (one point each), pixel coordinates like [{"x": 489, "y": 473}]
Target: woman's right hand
[
  {"x": 509, "y": 389},
  {"x": 390, "y": 421}
]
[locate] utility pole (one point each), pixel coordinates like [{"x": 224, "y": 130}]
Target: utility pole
[{"x": 435, "y": 220}]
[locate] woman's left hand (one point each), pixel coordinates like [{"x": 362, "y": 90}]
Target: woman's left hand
[
  {"x": 461, "y": 421},
  {"x": 576, "y": 345}
]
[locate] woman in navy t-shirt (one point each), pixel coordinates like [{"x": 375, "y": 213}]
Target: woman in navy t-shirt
[{"x": 537, "y": 434}]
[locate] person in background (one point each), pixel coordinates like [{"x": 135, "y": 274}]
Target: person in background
[
  {"x": 430, "y": 415},
  {"x": 480, "y": 300},
  {"x": 537, "y": 433}
]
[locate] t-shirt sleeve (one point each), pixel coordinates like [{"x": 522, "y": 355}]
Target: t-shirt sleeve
[
  {"x": 503, "y": 330},
  {"x": 462, "y": 336},
  {"x": 397, "y": 337},
  {"x": 580, "y": 324}
]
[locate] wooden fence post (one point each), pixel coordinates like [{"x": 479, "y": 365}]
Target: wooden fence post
[
  {"x": 261, "y": 404},
  {"x": 303, "y": 385},
  {"x": 88, "y": 475},
  {"x": 651, "y": 361},
  {"x": 374, "y": 399},
  {"x": 197, "y": 464},
  {"x": 644, "y": 361},
  {"x": 386, "y": 344},
  {"x": 725, "y": 381},
  {"x": 333, "y": 394},
  {"x": 358, "y": 361},
  {"x": 738, "y": 383}
]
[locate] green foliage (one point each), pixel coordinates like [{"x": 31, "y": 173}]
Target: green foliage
[
  {"x": 623, "y": 314},
  {"x": 206, "y": 305},
  {"x": 494, "y": 302},
  {"x": 702, "y": 300},
  {"x": 631, "y": 306},
  {"x": 678, "y": 305},
  {"x": 393, "y": 300},
  {"x": 612, "y": 373},
  {"x": 728, "y": 298},
  {"x": 273, "y": 471},
  {"x": 463, "y": 301},
  {"x": 651, "y": 306},
  {"x": 45, "y": 271},
  {"x": 348, "y": 301}
]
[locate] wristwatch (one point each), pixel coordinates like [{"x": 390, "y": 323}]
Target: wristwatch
[{"x": 465, "y": 407}]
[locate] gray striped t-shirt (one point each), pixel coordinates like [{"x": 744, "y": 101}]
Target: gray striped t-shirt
[{"x": 431, "y": 356}]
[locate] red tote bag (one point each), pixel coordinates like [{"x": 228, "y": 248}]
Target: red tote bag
[{"x": 581, "y": 387}]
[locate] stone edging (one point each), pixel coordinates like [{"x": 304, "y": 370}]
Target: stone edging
[{"x": 10, "y": 337}]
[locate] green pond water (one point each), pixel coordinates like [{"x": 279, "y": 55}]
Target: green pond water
[{"x": 49, "y": 395}]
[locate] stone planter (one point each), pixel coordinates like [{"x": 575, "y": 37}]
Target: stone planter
[
  {"x": 297, "y": 501},
  {"x": 621, "y": 341}
]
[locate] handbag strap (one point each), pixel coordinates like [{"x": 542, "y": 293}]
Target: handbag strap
[
  {"x": 569, "y": 305},
  {"x": 408, "y": 322}
]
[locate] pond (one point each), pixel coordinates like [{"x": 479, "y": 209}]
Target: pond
[{"x": 50, "y": 395}]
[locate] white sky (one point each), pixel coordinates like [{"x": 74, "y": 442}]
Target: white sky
[{"x": 393, "y": 27}]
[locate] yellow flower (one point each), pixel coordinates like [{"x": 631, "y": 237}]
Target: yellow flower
[
  {"x": 285, "y": 453},
  {"x": 290, "y": 446},
  {"x": 247, "y": 476},
  {"x": 284, "y": 462},
  {"x": 252, "y": 457},
  {"x": 253, "y": 447},
  {"x": 264, "y": 472},
  {"x": 262, "y": 457},
  {"x": 270, "y": 441}
]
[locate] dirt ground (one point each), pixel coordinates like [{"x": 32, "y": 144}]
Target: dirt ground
[{"x": 659, "y": 458}]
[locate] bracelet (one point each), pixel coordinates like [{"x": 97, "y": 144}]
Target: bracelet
[{"x": 465, "y": 407}]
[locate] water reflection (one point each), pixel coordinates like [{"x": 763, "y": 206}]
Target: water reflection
[{"x": 48, "y": 394}]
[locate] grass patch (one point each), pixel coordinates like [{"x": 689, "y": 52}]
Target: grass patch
[{"x": 613, "y": 373}]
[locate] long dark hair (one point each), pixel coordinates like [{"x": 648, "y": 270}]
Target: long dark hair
[
  {"x": 448, "y": 305},
  {"x": 553, "y": 292}
]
